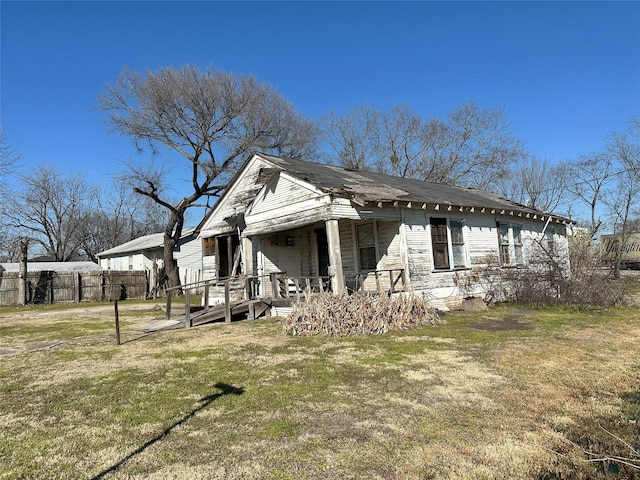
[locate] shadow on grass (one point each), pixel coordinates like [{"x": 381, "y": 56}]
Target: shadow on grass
[{"x": 205, "y": 402}]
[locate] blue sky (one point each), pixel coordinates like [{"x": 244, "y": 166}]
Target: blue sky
[{"x": 567, "y": 73}]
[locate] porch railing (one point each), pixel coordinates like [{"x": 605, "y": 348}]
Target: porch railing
[
  {"x": 283, "y": 287},
  {"x": 385, "y": 281}
]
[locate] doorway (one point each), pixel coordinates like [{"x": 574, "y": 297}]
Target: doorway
[
  {"x": 228, "y": 255},
  {"x": 323, "y": 252}
]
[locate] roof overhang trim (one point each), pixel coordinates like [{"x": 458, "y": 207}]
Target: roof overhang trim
[{"x": 359, "y": 201}]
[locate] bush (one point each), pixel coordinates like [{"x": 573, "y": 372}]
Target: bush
[
  {"x": 358, "y": 314},
  {"x": 548, "y": 279}
]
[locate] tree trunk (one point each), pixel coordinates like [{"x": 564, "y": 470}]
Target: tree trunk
[{"x": 170, "y": 263}]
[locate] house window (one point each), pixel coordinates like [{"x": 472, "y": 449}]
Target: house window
[
  {"x": 130, "y": 262},
  {"x": 448, "y": 244},
  {"x": 209, "y": 246},
  {"x": 510, "y": 239},
  {"x": 365, "y": 234},
  {"x": 440, "y": 243},
  {"x": 457, "y": 244},
  {"x": 549, "y": 236}
]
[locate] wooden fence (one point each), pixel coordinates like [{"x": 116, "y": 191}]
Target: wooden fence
[{"x": 77, "y": 286}]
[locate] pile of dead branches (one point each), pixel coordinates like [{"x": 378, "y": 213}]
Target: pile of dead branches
[{"x": 358, "y": 314}]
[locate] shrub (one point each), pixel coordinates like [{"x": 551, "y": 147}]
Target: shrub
[{"x": 548, "y": 279}]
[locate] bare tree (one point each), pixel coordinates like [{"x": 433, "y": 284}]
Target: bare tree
[
  {"x": 624, "y": 198},
  {"x": 625, "y": 146},
  {"x": 353, "y": 138},
  {"x": 210, "y": 120},
  {"x": 623, "y": 203},
  {"x": 9, "y": 239},
  {"x": 51, "y": 207},
  {"x": 119, "y": 215},
  {"x": 590, "y": 176},
  {"x": 9, "y": 157},
  {"x": 401, "y": 151},
  {"x": 473, "y": 147},
  {"x": 537, "y": 183}
]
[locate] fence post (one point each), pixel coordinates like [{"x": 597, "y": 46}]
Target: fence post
[
  {"x": 22, "y": 273},
  {"x": 275, "y": 290},
  {"x": 76, "y": 286},
  {"x": 169, "y": 295},
  {"x": 50, "y": 286},
  {"x": 248, "y": 294},
  {"x": 187, "y": 307},
  {"x": 115, "y": 307},
  {"x": 227, "y": 302}
]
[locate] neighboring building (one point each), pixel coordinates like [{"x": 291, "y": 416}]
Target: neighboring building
[
  {"x": 366, "y": 230},
  {"x": 141, "y": 254}
]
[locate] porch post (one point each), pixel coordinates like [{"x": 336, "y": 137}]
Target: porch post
[
  {"x": 247, "y": 255},
  {"x": 247, "y": 260},
  {"x": 335, "y": 255}
]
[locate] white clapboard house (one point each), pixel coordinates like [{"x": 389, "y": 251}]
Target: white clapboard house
[
  {"x": 327, "y": 227},
  {"x": 143, "y": 252}
]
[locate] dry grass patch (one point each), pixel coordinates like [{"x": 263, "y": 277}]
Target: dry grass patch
[{"x": 244, "y": 400}]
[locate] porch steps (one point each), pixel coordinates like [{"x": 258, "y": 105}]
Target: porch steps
[{"x": 249, "y": 309}]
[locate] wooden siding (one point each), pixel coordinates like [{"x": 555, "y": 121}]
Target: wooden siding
[
  {"x": 418, "y": 244},
  {"x": 347, "y": 247},
  {"x": 281, "y": 193},
  {"x": 189, "y": 254},
  {"x": 389, "y": 245},
  {"x": 241, "y": 194},
  {"x": 297, "y": 215}
]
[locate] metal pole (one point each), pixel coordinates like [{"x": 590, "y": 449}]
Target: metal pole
[{"x": 115, "y": 307}]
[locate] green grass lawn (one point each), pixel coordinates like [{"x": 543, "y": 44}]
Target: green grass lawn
[{"x": 507, "y": 393}]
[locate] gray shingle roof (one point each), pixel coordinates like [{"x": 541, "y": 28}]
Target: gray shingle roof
[
  {"x": 376, "y": 187},
  {"x": 147, "y": 242}
]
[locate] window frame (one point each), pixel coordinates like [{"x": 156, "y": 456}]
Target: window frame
[
  {"x": 550, "y": 239},
  {"x": 511, "y": 244},
  {"x": 448, "y": 245},
  {"x": 359, "y": 248}
]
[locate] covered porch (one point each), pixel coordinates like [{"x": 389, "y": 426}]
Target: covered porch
[{"x": 319, "y": 257}]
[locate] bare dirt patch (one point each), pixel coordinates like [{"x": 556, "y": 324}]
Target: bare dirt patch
[{"x": 505, "y": 323}]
